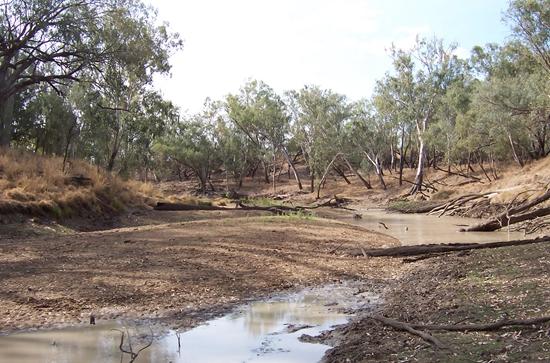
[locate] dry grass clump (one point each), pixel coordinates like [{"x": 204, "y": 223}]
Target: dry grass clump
[{"x": 36, "y": 185}]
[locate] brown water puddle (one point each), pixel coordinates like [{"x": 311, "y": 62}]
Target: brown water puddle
[
  {"x": 265, "y": 331},
  {"x": 412, "y": 229}
]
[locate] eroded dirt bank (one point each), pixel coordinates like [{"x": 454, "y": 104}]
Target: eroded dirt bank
[
  {"x": 482, "y": 286},
  {"x": 182, "y": 271}
]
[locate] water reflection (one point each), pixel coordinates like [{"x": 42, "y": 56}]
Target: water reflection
[{"x": 257, "y": 333}]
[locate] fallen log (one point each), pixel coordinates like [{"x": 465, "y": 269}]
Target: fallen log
[
  {"x": 398, "y": 325},
  {"x": 281, "y": 209},
  {"x": 475, "y": 178},
  {"x": 335, "y": 202},
  {"x": 484, "y": 327},
  {"x": 166, "y": 206},
  {"x": 457, "y": 202},
  {"x": 404, "y": 251},
  {"x": 510, "y": 216},
  {"x": 503, "y": 221}
]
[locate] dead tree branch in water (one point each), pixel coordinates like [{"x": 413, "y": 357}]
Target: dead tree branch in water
[{"x": 133, "y": 355}]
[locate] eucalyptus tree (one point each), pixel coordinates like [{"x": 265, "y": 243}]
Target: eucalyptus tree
[
  {"x": 191, "y": 143},
  {"x": 419, "y": 81},
  {"x": 122, "y": 84},
  {"x": 400, "y": 119},
  {"x": 530, "y": 20},
  {"x": 319, "y": 118},
  {"x": 45, "y": 41},
  {"x": 371, "y": 133},
  {"x": 513, "y": 97},
  {"x": 261, "y": 115}
]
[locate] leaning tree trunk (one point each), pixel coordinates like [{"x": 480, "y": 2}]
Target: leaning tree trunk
[
  {"x": 514, "y": 153},
  {"x": 291, "y": 165},
  {"x": 377, "y": 167},
  {"x": 329, "y": 166},
  {"x": 354, "y": 171}
]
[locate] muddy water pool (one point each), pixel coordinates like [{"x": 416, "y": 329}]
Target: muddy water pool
[
  {"x": 264, "y": 331},
  {"x": 413, "y": 229}
]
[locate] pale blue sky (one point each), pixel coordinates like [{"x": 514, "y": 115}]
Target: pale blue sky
[{"x": 289, "y": 43}]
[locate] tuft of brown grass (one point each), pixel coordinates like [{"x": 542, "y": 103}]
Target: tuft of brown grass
[{"x": 37, "y": 185}]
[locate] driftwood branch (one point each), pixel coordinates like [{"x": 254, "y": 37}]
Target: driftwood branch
[
  {"x": 458, "y": 202},
  {"x": 404, "y": 251},
  {"x": 475, "y": 178}
]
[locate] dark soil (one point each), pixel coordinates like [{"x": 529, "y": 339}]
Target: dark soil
[{"x": 482, "y": 286}]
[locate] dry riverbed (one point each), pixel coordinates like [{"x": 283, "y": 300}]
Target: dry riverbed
[
  {"x": 180, "y": 272},
  {"x": 205, "y": 263}
]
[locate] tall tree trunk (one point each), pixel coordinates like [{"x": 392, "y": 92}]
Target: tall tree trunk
[
  {"x": 6, "y": 120},
  {"x": 68, "y": 144},
  {"x": 274, "y": 169},
  {"x": 201, "y": 174},
  {"x": 401, "y": 157},
  {"x": 392, "y": 160},
  {"x": 419, "y": 178},
  {"x": 312, "y": 180},
  {"x": 266, "y": 172},
  {"x": 514, "y": 153},
  {"x": 321, "y": 182},
  {"x": 116, "y": 143}
]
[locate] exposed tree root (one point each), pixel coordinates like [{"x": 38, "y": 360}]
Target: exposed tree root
[
  {"x": 416, "y": 329},
  {"x": 408, "y": 328}
]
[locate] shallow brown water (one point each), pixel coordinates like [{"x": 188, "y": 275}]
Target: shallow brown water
[
  {"x": 413, "y": 229},
  {"x": 255, "y": 333}
]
